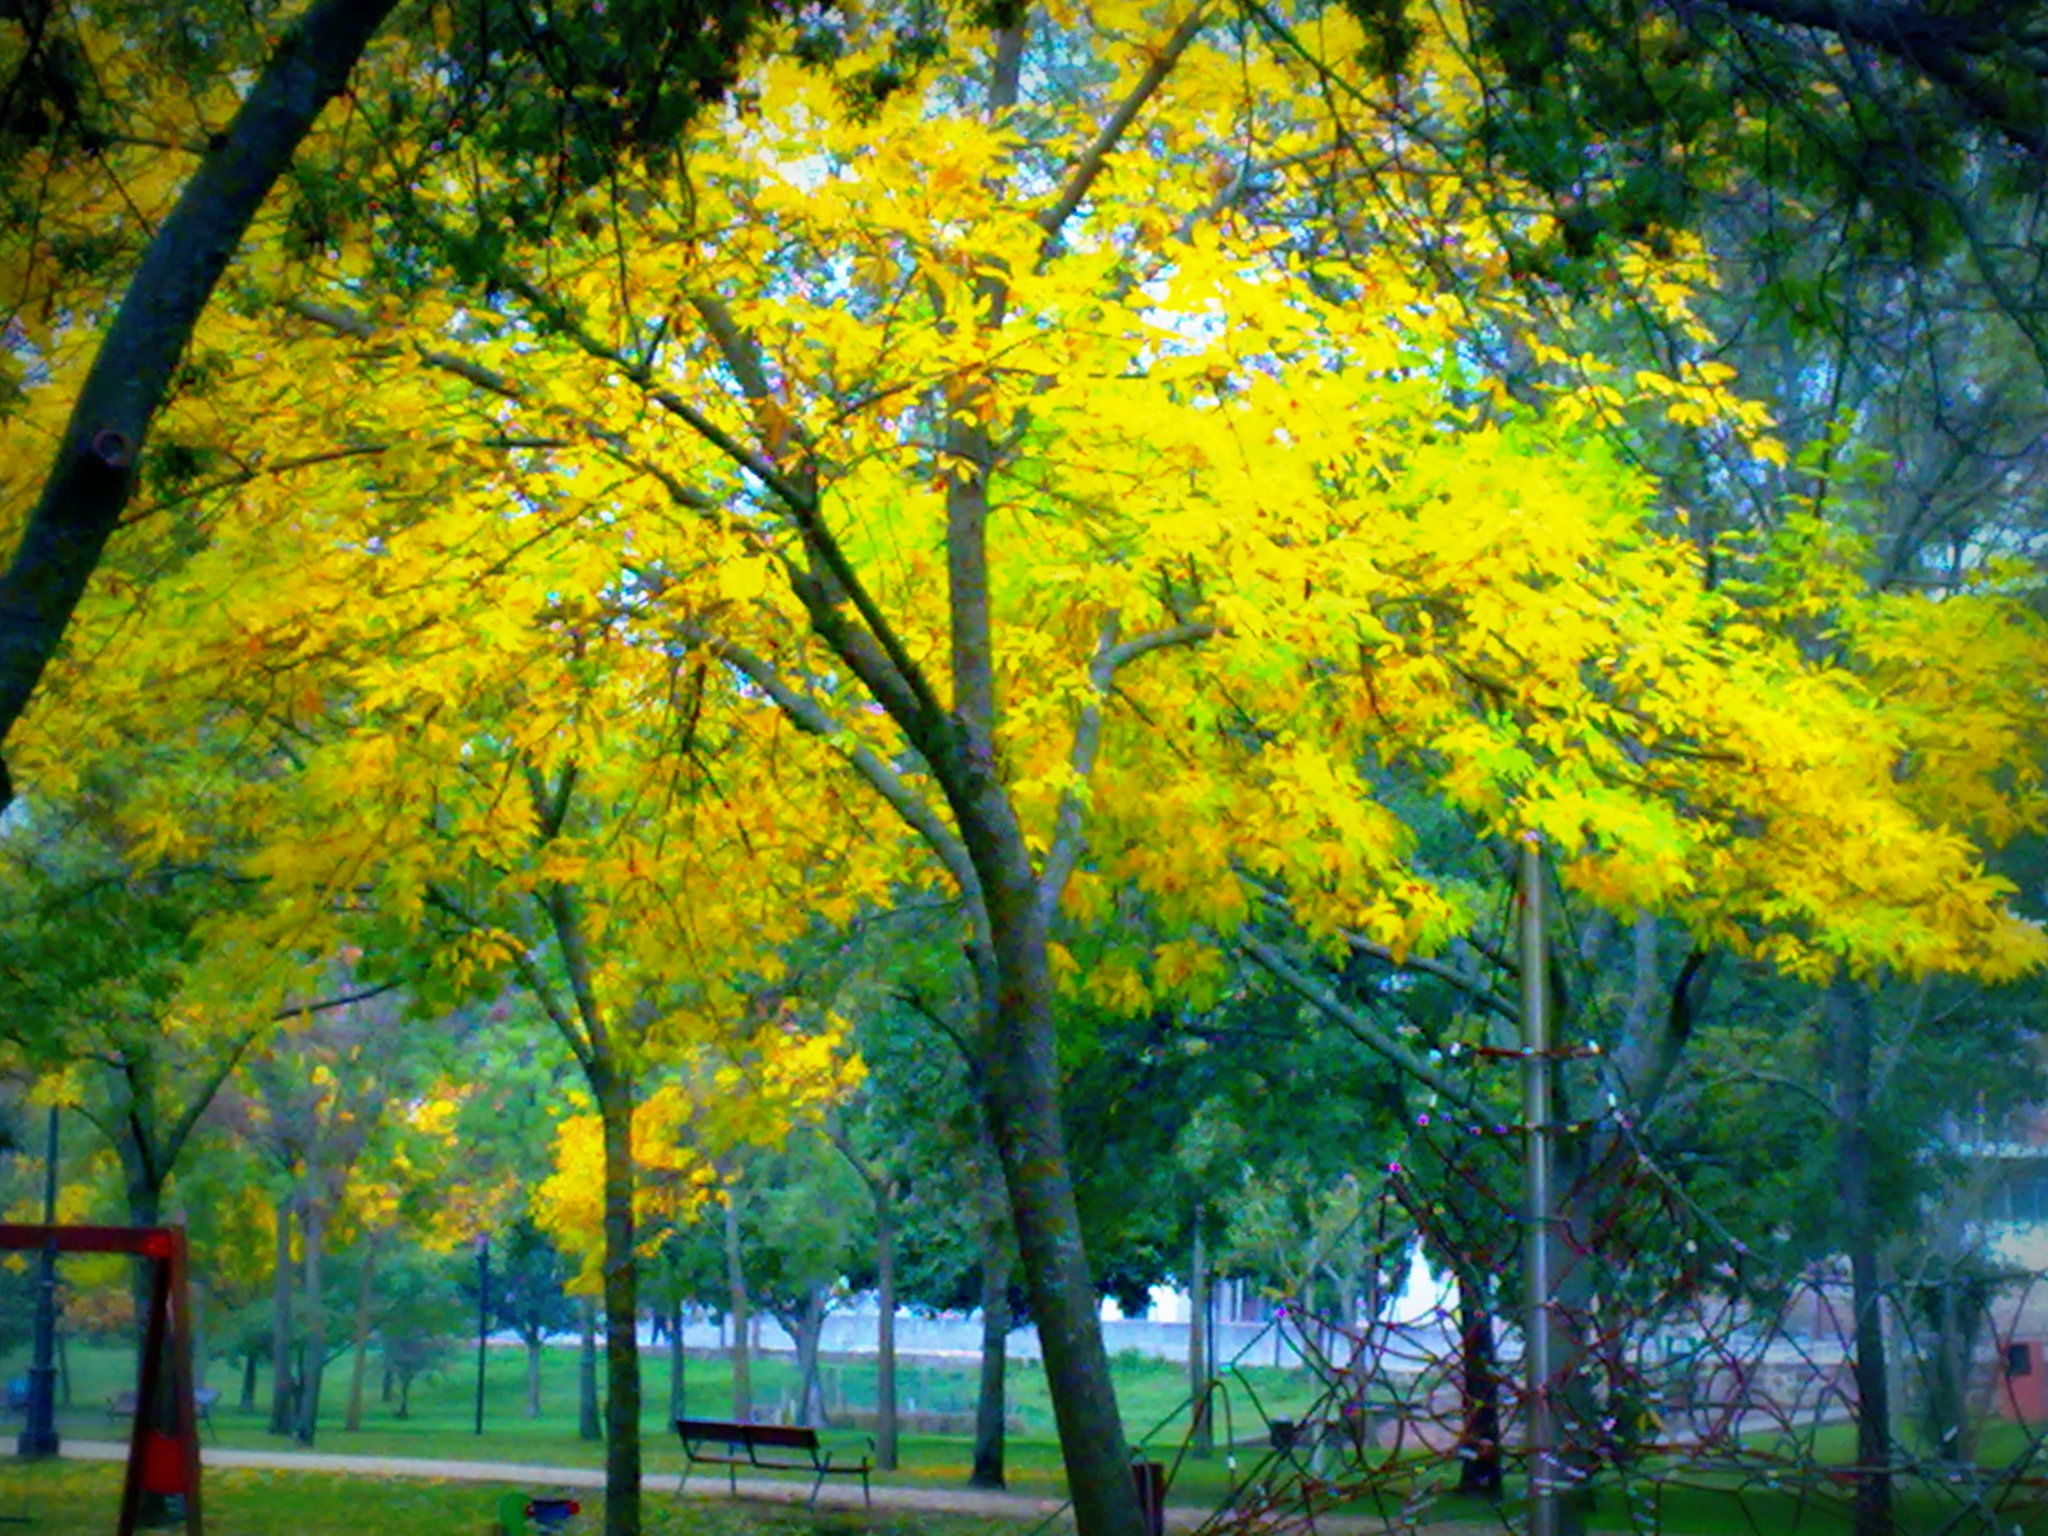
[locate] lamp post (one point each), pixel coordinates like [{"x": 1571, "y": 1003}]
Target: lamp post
[
  {"x": 39, "y": 1423},
  {"x": 483, "y": 1318}
]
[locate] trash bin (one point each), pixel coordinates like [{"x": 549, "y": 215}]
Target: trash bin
[
  {"x": 1150, "y": 1477},
  {"x": 522, "y": 1514}
]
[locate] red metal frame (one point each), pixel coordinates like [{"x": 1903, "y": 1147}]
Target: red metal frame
[{"x": 162, "y": 1457}]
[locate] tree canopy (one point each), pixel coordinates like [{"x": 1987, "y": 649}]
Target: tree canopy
[{"x": 657, "y": 481}]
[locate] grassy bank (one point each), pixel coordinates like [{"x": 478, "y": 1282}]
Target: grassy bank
[
  {"x": 69, "y": 1499},
  {"x": 442, "y": 1417},
  {"x": 441, "y": 1425}
]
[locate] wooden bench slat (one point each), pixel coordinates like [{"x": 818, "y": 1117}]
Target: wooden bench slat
[
  {"x": 122, "y": 1405},
  {"x": 744, "y": 1444}
]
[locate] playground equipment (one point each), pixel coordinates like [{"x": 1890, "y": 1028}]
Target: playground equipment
[{"x": 163, "y": 1443}]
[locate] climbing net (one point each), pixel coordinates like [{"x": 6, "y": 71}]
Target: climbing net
[{"x": 1683, "y": 1382}]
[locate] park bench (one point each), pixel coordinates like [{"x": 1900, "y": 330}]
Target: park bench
[
  {"x": 122, "y": 1405},
  {"x": 764, "y": 1448}
]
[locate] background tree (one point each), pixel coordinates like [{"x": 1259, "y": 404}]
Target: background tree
[
  {"x": 527, "y": 1296},
  {"x": 106, "y": 969}
]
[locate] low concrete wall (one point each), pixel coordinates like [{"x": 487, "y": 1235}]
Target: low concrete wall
[{"x": 853, "y": 1333}]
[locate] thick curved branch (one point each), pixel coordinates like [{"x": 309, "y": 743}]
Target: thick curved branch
[{"x": 95, "y": 473}]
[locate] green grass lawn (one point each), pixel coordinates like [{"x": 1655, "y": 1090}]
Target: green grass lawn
[
  {"x": 72, "y": 1499},
  {"x": 65, "y": 1498},
  {"x": 441, "y": 1425},
  {"x": 443, "y": 1411}
]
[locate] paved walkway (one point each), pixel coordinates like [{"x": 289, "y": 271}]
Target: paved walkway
[
  {"x": 705, "y": 1484},
  {"x": 1025, "y": 1509}
]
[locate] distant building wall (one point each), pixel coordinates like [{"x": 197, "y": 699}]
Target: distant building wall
[{"x": 853, "y": 1333}]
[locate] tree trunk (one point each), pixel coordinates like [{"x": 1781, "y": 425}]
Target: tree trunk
[
  {"x": 678, "y": 1365},
  {"x": 282, "y": 1398},
  {"x": 1022, "y": 1078},
  {"x": 198, "y": 1318},
  {"x": 1577, "y": 1416},
  {"x": 250, "y": 1372},
  {"x": 534, "y": 1347},
  {"x": 741, "y": 1314},
  {"x": 1342, "y": 1349},
  {"x": 991, "y": 1402},
  {"x": 1959, "y": 1323},
  {"x": 1848, "y": 1012},
  {"x": 359, "y": 1369},
  {"x": 614, "y": 1090},
  {"x": 1479, "y": 1463},
  {"x": 145, "y": 1209},
  {"x": 588, "y": 1426},
  {"x": 313, "y": 1239},
  {"x": 810, "y": 1328},
  {"x": 1017, "y": 1045},
  {"x": 885, "y": 1326},
  {"x": 1202, "y": 1437}
]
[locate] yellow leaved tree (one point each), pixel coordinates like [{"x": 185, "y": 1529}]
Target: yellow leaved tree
[
  {"x": 1083, "y": 444},
  {"x": 433, "y": 722},
  {"x": 1074, "y": 462},
  {"x": 743, "y": 1091}
]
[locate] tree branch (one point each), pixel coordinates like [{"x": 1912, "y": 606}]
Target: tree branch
[
  {"x": 342, "y": 1000},
  {"x": 871, "y": 649},
  {"x": 529, "y": 974},
  {"x": 1068, "y": 842},
  {"x": 1360, "y": 1027},
  {"x": 312, "y": 460},
  {"x": 550, "y": 802},
  {"x": 1096, "y": 156},
  {"x": 1688, "y": 991},
  {"x": 1471, "y": 987},
  {"x": 812, "y": 718},
  {"x": 95, "y": 472},
  {"x": 197, "y": 1102},
  {"x": 344, "y": 323},
  {"x": 1935, "y": 45},
  {"x": 1139, "y": 646}
]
